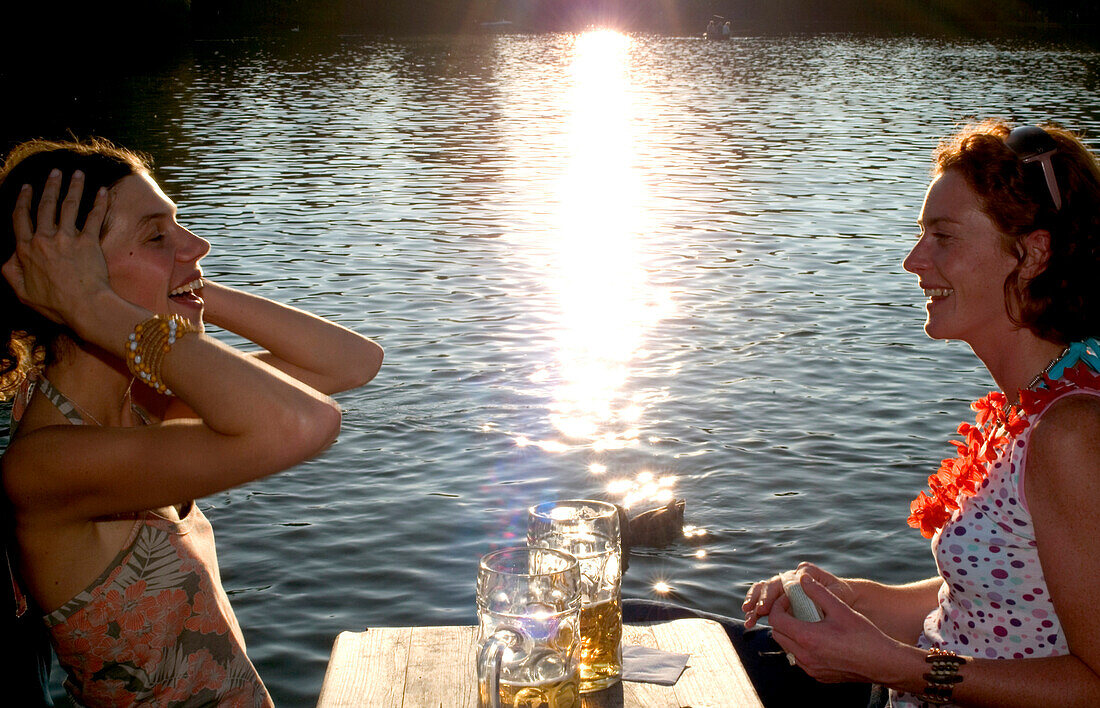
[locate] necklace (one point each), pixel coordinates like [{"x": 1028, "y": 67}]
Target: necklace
[
  {"x": 1046, "y": 370},
  {"x": 996, "y": 424}
]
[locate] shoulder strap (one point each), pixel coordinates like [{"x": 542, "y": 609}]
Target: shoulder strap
[
  {"x": 20, "y": 600},
  {"x": 63, "y": 405},
  {"x": 68, "y": 409},
  {"x": 19, "y": 403}
]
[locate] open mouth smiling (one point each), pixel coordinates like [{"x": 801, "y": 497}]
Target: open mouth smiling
[{"x": 187, "y": 288}]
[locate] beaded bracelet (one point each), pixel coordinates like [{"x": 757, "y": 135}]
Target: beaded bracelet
[
  {"x": 943, "y": 676},
  {"x": 148, "y": 344}
]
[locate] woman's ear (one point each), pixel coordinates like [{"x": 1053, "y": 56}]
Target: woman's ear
[{"x": 1036, "y": 247}]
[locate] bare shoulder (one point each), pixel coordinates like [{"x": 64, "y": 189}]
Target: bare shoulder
[
  {"x": 1065, "y": 446},
  {"x": 1078, "y": 404},
  {"x": 1071, "y": 420}
]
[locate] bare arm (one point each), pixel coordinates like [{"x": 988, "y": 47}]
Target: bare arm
[
  {"x": 897, "y": 610},
  {"x": 1062, "y": 487},
  {"x": 845, "y": 646},
  {"x": 322, "y": 354},
  {"x": 253, "y": 421}
]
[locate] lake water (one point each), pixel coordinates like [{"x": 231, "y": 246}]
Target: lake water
[{"x": 600, "y": 266}]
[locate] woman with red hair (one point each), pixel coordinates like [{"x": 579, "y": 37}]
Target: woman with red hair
[{"x": 1008, "y": 259}]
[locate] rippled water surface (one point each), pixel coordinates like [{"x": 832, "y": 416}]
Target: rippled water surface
[{"x": 600, "y": 266}]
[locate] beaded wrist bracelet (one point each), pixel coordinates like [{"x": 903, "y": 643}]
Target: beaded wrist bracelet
[
  {"x": 149, "y": 343},
  {"x": 943, "y": 676}
]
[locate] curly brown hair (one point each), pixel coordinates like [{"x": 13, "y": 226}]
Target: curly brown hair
[
  {"x": 1060, "y": 304},
  {"x": 30, "y": 340}
]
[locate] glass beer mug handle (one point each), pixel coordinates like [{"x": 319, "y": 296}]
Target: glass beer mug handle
[{"x": 491, "y": 653}]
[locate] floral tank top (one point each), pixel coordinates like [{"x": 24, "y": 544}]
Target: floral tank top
[
  {"x": 156, "y": 627},
  {"x": 994, "y": 603}
]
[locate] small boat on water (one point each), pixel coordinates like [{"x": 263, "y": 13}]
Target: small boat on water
[{"x": 718, "y": 28}]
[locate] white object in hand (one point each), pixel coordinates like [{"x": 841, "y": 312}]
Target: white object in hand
[{"x": 802, "y": 606}]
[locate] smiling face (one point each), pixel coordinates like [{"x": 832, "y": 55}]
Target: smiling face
[
  {"x": 152, "y": 261},
  {"x": 962, "y": 265}
]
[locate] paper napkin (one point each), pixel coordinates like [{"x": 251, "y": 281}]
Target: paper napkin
[{"x": 646, "y": 665}]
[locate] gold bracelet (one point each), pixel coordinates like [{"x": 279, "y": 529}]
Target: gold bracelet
[
  {"x": 943, "y": 676},
  {"x": 149, "y": 343}
]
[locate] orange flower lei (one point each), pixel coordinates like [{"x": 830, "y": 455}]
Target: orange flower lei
[{"x": 997, "y": 423}]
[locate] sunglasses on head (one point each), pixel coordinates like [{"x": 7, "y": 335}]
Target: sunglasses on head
[{"x": 1033, "y": 144}]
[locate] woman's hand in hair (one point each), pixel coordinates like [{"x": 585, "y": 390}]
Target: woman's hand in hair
[{"x": 57, "y": 268}]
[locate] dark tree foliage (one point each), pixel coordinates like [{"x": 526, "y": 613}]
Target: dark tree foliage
[
  {"x": 981, "y": 17},
  {"x": 150, "y": 22}
]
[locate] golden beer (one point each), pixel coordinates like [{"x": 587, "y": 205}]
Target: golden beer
[
  {"x": 556, "y": 693},
  {"x": 601, "y": 636}
]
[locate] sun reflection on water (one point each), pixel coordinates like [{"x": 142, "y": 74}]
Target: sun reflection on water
[
  {"x": 593, "y": 241},
  {"x": 645, "y": 489},
  {"x": 598, "y": 270}
]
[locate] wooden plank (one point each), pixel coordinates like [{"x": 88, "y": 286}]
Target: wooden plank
[
  {"x": 426, "y": 667},
  {"x": 713, "y": 678},
  {"x": 367, "y": 669},
  {"x": 442, "y": 669}
]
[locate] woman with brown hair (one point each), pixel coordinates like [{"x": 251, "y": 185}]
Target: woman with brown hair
[
  {"x": 126, "y": 412},
  {"x": 1008, "y": 259}
]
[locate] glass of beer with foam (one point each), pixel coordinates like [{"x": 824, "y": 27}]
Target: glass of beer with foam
[
  {"x": 528, "y": 640},
  {"x": 589, "y": 530}
]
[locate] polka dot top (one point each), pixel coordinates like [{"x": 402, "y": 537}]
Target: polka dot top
[{"x": 994, "y": 602}]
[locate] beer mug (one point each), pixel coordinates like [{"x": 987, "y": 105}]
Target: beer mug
[
  {"x": 589, "y": 530},
  {"x": 528, "y": 643}
]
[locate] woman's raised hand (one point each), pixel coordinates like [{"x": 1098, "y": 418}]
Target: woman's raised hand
[{"x": 57, "y": 268}]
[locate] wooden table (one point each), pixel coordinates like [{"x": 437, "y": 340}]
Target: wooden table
[{"x": 433, "y": 667}]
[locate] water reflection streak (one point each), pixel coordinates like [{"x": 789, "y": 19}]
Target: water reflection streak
[{"x": 598, "y": 265}]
